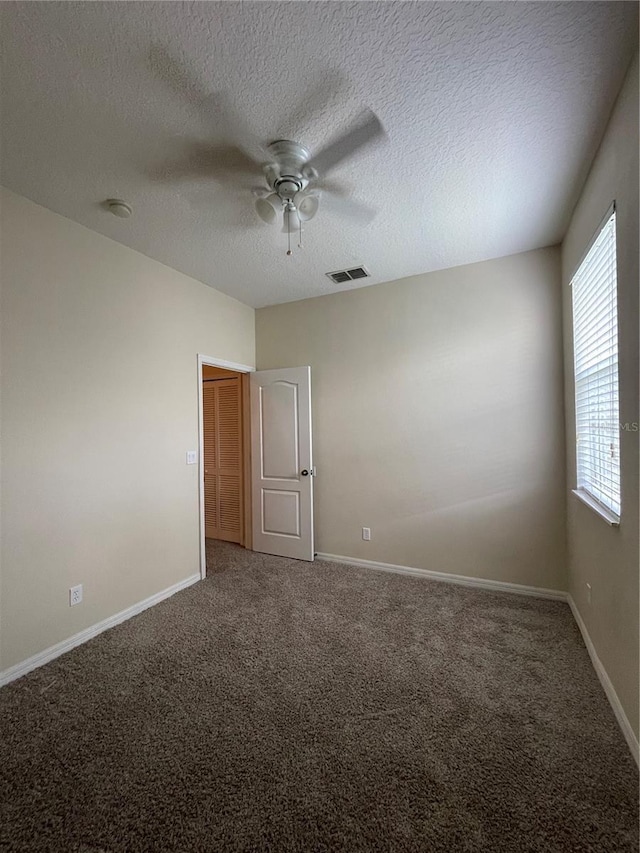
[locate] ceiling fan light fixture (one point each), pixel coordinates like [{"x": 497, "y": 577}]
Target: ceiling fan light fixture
[
  {"x": 290, "y": 219},
  {"x": 269, "y": 207},
  {"x": 308, "y": 207}
]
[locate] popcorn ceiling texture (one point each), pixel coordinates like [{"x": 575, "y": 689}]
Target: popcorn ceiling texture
[{"x": 493, "y": 113}]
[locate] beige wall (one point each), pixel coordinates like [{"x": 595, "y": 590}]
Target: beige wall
[
  {"x": 603, "y": 556},
  {"x": 438, "y": 417},
  {"x": 95, "y": 489}
]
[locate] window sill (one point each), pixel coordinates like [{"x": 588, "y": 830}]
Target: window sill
[{"x": 611, "y": 518}]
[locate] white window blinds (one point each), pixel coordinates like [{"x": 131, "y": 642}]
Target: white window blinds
[{"x": 595, "y": 349}]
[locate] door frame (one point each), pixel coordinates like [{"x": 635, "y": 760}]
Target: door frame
[{"x": 212, "y": 361}]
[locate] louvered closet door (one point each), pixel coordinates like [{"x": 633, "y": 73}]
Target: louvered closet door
[
  {"x": 210, "y": 488},
  {"x": 223, "y": 459}
]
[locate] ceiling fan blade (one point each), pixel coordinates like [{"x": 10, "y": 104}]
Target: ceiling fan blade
[
  {"x": 318, "y": 100},
  {"x": 335, "y": 187},
  {"x": 214, "y": 106},
  {"x": 217, "y": 208},
  {"x": 176, "y": 75},
  {"x": 220, "y": 162},
  {"x": 350, "y": 209},
  {"x": 367, "y": 129},
  {"x": 232, "y": 160},
  {"x": 232, "y": 127}
]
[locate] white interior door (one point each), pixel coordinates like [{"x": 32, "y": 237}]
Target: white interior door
[{"x": 281, "y": 481}]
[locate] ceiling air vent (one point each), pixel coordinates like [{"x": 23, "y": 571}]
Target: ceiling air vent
[{"x": 348, "y": 275}]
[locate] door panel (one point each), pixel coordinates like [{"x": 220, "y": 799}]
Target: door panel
[
  {"x": 281, "y": 512},
  {"x": 279, "y": 428},
  {"x": 282, "y": 488}
]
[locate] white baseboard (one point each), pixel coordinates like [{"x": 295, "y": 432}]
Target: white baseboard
[
  {"x": 52, "y": 652},
  {"x": 607, "y": 686},
  {"x": 520, "y": 589},
  {"x": 461, "y": 580}
]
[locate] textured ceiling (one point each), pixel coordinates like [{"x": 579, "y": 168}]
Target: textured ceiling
[{"x": 493, "y": 112}]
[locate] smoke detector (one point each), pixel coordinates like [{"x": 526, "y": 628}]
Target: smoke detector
[{"x": 118, "y": 207}]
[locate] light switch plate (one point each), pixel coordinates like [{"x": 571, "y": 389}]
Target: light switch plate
[{"x": 192, "y": 457}]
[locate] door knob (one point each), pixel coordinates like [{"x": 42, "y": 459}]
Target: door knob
[{"x": 304, "y": 472}]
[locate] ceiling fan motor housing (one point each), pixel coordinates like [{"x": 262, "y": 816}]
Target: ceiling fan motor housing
[
  {"x": 285, "y": 174},
  {"x": 287, "y": 186}
]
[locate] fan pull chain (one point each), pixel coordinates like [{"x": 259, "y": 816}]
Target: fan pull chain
[
  {"x": 300, "y": 224},
  {"x": 289, "y": 252}
]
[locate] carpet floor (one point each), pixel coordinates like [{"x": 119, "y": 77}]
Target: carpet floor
[{"x": 282, "y": 706}]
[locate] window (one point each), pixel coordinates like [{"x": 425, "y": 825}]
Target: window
[{"x": 595, "y": 354}]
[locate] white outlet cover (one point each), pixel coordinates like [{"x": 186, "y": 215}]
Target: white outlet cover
[
  {"x": 192, "y": 457},
  {"x": 75, "y": 595}
]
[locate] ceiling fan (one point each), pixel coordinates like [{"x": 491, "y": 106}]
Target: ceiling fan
[{"x": 293, "y": 179}]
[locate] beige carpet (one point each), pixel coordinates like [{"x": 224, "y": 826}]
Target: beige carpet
[{"x": 281, "y": 706}]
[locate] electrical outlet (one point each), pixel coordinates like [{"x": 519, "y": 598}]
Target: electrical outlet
[
  {"x": 588, "y": 593},
  {"x": 192, "y": 457},
  {"x": 75, "y": 595},
  {"x": 366, "y": 534}
]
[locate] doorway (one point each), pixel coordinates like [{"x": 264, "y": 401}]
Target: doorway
[
  {"x": 223, "y": 457},
  {"x": 225, "y": 469},
  {"x": 273, "y": 479}
]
